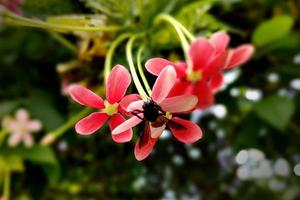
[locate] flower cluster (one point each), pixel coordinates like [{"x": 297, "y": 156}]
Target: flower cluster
[{"x": 179, "y": 89}]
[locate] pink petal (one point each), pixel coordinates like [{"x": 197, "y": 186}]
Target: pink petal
[
  {"x": 201, "y": 51},
  {"x": 240, "y": 55},
  {"x": 34, "y": 125},
  {"x": 85, "y": 96},
  {"x": 179, "y": 104},
  {"x": 181, "y": 87},
  {"x": 115, "y": 121},
  {"x": 216, "y": 82},
  {"x": 28, "y": 140},
  {"x": 143, "y": 152},
  {"x": 126, "y": 101},
  {"x": 164, "y": 83},
  {"x": 128, "y": 124},
  {"x": 14, "y": 139},
  {"x": 22, "y": 115},
  {"x": 216, "y": 65},
  {"x": 137, "y": 105},
  {"x": 181, "y": 68},
  {"x": 204, "y": 94},
  {"x": 91, "y": 123},
  {"x": 220, "y": 41},
  {"x": 190, "y": 134},
  {"x": 118, "y": 81},
  {"x": 157, "y": 131},
  {"x": 156, "y": 65}
]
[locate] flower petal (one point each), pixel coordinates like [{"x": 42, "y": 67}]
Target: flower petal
[
  {"x": 220, "y": 41},
  {"x": 85, "y": 96},
  {"x": 124, "y": 103},
  {"x": 179, "y": 104},
  {"x": 216, "y": 82},
  {"x": 28, "y": 140},
  {"x": 115, "y": 121},
  {"x": 128, "y": 124},
  {"x": 200, "y": 52},
  {"x": 190, "y": 134},
  {"x": 204, "y": 94},
  {"x": 157, "y": 131},
  {"x": 14, "y": 139},
  {"x": 136, "y": 105},
  {"x": 143, "y": 152},
  {"x": 216, "y": 65},
  {"x": 181, "y": 87},
  {"x": 91, "y": 123},
  {"x": 240, "y": 55},
  {"x": 156, "y": 65},
  {"x": 34, "y": 125},
  {"x": 164, "y": 83},
  {"x": 117, "y": 83},
  {"x": 22, "y": 115}
]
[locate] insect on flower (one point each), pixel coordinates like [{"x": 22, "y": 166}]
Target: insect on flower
[{"x": 157, "y": 113}]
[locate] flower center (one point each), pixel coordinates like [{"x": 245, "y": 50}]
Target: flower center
[
  {"x": 194, "y": 76},
  {"x": 168, "y": 115},
  {"x": 111, "y": 109}
]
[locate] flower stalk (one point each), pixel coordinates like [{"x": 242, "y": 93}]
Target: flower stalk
[
  {"x": 135, "y": 78},
  {"x": 141, "y": 71}
]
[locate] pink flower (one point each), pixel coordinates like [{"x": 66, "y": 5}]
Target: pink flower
[
  {"x": 202, "y": 74},
  {"x": 21, "y": 128},
  {"x": 157, "y": 113},
  {"x": 12, "y": 5},
  {"x": 110, "y": 109}
]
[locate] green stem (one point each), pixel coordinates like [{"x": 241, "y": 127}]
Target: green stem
[
  {"x": 6, "y": 188},
  {"x": 110, "y": 54},
  {"x": 14, "y": 19},
  {"x": 141, "y": 71},
  {"x": 52, "y": 136},
  {"x": 64, "y": 41},
  {"x": 177, "y": 27},
  {"x": 3, "y": 134},
  {"x": 135, "y": 78}
]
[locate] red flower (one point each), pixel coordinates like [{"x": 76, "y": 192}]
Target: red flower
[
  {"x": 157, "y": 112},
  {"x": 110, "y": 109},
  {"x": 202, "y": 74},
  {"x": 12, "y": 5}
]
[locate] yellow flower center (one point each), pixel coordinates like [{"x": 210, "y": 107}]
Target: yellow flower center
[
  {"x": 168, "y": 115},
  {"x": 111, "y": 109},
  {"x": 194, "y": 76}
]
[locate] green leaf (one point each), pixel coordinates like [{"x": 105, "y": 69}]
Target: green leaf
[
  {"x": 272, "y": 30},
  {"x": 41, "y": 106},
  {"x": 275, "y": 110},
  {"x": 7, "y": 107},
  {"x": 38, "y": 154},
  {"x": 15, "y": 163}
]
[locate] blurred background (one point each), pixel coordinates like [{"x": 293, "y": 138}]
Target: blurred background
[{"x": 251, "y": 144}]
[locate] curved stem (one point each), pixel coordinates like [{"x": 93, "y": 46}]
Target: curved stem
[
  {"x": 14, "y": 19},
  {"x": 180, "y": 29},
  {"x": 110, "y": 54},
  {"x": 52, "y": 136},
  {"x": 141, "y": 71},
  {"x": 135, "y": 78}
]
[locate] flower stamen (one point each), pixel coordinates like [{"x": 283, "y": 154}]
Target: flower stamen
[{"x": 110, "y": 109}]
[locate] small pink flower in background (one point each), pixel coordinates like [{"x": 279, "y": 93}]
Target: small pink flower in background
[
  {"x": 12, "y": 5},
  {"x": 202, "y": 74},
  {"x": 110, "y": 109},
  {"x": 21, "y": 128},
  {"x": 157, "y": 114}
]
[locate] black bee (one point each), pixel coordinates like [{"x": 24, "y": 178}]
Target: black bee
[{"x": 154, "y": 116}]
